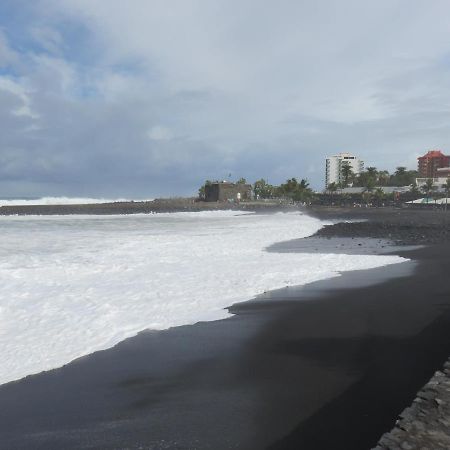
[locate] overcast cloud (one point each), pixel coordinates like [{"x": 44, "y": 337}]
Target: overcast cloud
[{"x": 149, "y": 98}]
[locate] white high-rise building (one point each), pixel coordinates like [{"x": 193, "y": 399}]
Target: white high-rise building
[{"x": 334, "y": 164}]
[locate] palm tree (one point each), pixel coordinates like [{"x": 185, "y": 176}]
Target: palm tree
[
  {"x": 372, "y": 172},
  {"x": 428, "y": 187},
  {"x": 383, "y": 177},
  {"x": 346, "y": 172},
  {"x": 399, "y": 176},
  {"x": 202, "y": 190},
  {"x": 368, "y": 188},
  {"x": 370, "y": 184},
  {"x": 262, "y": 189},
  {"x": 414, "y": 190},
  {"x": 332, "y": 188},
  {"x": 304, "y": 184},
  {"x": 446, "y": 187},
  {"x": 303, "y": 192},
  {"x": 379, "y": 195},
  {"x": 399, "y": 171}
]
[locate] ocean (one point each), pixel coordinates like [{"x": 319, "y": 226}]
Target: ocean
[
  {"x": 62, "y": 201},
  {"x": 73, "y": 285}
]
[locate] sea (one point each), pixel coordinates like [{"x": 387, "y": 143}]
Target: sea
[
  {"x": 63, "y": 201},
  {"x": 74, "y": 285}
]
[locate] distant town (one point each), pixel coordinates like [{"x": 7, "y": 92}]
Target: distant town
[{"x": 347, "y": 180}]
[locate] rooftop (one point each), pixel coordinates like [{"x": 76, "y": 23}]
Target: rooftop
[{"x": 433, "y": 154}]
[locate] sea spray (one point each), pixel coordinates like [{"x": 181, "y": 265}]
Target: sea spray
[{"x": 75, "y": 285}]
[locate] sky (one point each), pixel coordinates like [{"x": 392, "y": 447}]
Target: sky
[{"x": 149, "y": 98}]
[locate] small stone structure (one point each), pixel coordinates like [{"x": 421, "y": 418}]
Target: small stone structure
[
  {"x": 222, "y": 192},
  {"x": 426, "y": 423}
]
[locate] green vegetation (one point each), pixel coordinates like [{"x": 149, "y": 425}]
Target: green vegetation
[
  {"x": 347, "y": 173},
  {"x": 295, "y": 190},
  {"x": 373, "y": 176},
  {"x": 262, "y": 189},
  {"x": 428, "y": 188},
  {"x": 201, "y": 191},
  {"x": 371, "y": 180},
  {"x": 446, "y": 187}
]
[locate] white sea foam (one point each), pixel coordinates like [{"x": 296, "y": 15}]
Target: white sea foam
[
  {"x": 74, "y": 285},
  {"x": 62, "y": 201}
]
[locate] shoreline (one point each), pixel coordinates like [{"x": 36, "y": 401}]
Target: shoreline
[
  {"x": 141, "y": 207},
  {"x": 287, "y": 366}
]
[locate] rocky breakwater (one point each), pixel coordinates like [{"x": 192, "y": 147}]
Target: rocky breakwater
[
  {"x": 402, "y": 227},
  {"x": 426, "y": 423}
]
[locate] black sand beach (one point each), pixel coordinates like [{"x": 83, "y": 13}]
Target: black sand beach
[{"x": 326, "y": 366}]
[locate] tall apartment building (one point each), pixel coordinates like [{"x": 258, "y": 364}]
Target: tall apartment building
[
  {"x": 431, "y": 162},
  {"x": 334, "y": 164}
]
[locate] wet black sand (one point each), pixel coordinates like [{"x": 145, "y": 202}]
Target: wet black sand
[{"x": 319, "y": 367}]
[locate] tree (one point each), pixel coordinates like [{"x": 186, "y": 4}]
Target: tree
[
  {"x": 202, "y": 189},
  {"x": 304, "y": 184},
  {"x": 398, "y": 178},
  {"x": 414, "y": 189},
  {"x": 346, "y": 172},
  {"x": 332, "y": 188},
  {"x": 383, "y": 178},
  {"x": 370, "y": 184},
  {"x": 368, "y": 188},
  {"x": 372, "y": 171},
  {"x": 403, "y": 177},
  {"x": 379, "y": 195},
  {"x": 297, "y": 191},
  {"x": 428, "y": 187},
  {"x": 262, "y": 189},
  {"x": 241, "y": 181},
  {"x": 400, "y": 171},
  {"x": 363, "y": 178},
  {"x": 446, "y": 187}
]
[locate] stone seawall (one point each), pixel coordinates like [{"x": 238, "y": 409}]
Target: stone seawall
[{"x": 426, "y": 423}]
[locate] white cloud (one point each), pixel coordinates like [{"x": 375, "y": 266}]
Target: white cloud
[
  {"x": 200, "y": 88},
  {"x": 7, "y": 55},
  {"x": 22, "y": 96},
  {"x": 49, "y": 38},
  {"x": 159, "y": 133}
]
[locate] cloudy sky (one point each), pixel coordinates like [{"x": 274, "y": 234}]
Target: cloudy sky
[{"x": 149, "y": 98}]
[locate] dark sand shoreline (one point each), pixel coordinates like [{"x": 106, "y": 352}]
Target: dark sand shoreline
[{"x": 322, "y": 366}]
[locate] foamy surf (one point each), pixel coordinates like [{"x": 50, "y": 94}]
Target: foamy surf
[
  {"x": 64, "y": 201},
  {"x": 72, "y": 286}
]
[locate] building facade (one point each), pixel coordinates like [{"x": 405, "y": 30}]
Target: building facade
[
  {"x": 222, "y": 192},
  {"x": 334, "y": 165},
  {"x": 429, "y": 163},
  {"x": 439, "y": 181}
]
